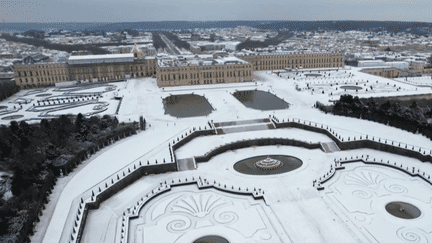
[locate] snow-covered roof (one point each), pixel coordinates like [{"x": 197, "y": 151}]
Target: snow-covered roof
[
  {"x": 230, "y": 60},
  {"x": 378, "y": 67},
  {"x": 108, "y": 58},
  {"x": 371, "y": 61},
  {"x": 135, "y": 48}
]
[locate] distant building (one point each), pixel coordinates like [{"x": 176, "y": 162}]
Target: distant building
[
  {"x": 241, "y": 38},
  {"x": 139, "y": 51},
  {"x": 371, "y": 63},
  {"x": 144, "y": 51},
  {"x": 195, "y": 37},
  {"x": 403, "y": 66},
  {"x": 6, "y": 55},
  {"x": 417, "y": 67},
  {"x": 195, "y": 49},
  {"x": 211, "y": 47},
  {"x": 35, "y": 59},
  {"x": 218, "y": 54},
  {"x": 385, "y": 72},
  {"x": 80, "y": 53}
]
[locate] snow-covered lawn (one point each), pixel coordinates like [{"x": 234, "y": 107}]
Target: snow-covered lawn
[
  {"x": 292, "y": 210},
  {"x": 26, "y": 99}
]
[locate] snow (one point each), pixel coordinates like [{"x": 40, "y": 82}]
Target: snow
[
  {"x": 34, "y": 116},
  {"x": 200, "y": 146},
  {"x": 128, "y": 57},
  {"x": 103, "y": 164},
  {"x": 230, "y": 59},
  {"x": 291, "y": 211},
  {"x": 105, "y": 56}
]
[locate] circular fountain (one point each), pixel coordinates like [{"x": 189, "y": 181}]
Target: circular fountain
[
  {"x": 403, "y": 210},
  {"x": 211, "y": 239},
  {"x": 268, "y": 165}
]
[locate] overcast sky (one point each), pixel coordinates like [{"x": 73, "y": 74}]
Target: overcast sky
[{"x": 201, "y": 10}]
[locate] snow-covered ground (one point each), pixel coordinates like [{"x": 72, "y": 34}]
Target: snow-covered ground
[
  {"x": 422, "y": 81},
  {"x": 291, "y": 211},
  {"x": 63, "y": 101}
]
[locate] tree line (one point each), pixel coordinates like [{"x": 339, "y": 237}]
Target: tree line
[
  {"x": 410, "y": 118},
  {"x": 35, "y": 153},
  {"x": 176, "y": 41},
  {"x": 45, "y": 44},
  {"x": 7, "y": 89},
  {"x": 157, "y": 41}
]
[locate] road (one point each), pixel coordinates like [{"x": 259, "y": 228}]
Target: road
[{"x": 171, "y": 48}]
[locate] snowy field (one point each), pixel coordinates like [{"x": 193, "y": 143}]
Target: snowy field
[
  {"x": 352, "y": 81},
  {"x": 292, "y": 210},
  {"x": 420, "y": 81}
]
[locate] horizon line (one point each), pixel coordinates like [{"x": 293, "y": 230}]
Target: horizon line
[{"x": 102, "y": 22}]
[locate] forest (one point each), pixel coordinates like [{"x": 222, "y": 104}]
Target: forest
[
  {"x": 176, "y": 41},
  {"x": 36, "y": 154},
  {"x": 7, "y": 89},
  {"x": 157, "y": 41},
  {"x": 45, "y": 44},
  {"x": 410, "y": 118}
]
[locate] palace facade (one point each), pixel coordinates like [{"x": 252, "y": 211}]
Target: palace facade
[
  {"x": 40, "y": 74},
  {"x": 88, "y": 68},
  {"x": 181, "y": 70},
  {"x": 282, "y": 60},
  {"x": 195, "y": 70}
]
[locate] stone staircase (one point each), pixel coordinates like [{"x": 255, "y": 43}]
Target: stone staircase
[
  {"x": 329, "y": 147},
  {"x": 186, "y": 164},
  {"x": 243, "y": 126}
]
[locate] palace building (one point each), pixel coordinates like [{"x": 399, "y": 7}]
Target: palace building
[
  {"x": 169, "y": 71},
  {"x": 201, "y": 70},
  {"x": 40, "y": 74},
  {"x": 87, "y": 68},
  {"x": 294, "y": 60}
]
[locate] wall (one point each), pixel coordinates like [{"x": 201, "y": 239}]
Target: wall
[
  {"x": 383, "y": 72},
  {"x": 255, "y": 142}
]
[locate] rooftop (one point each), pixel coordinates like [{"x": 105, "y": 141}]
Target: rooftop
[
  {"x": 109, "y": 58},
  {"x": 106, "y": 56},
  {"x": 230, "y": 60}
]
